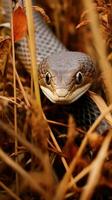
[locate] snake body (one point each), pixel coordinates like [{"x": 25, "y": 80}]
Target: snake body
[
  {"x": 64, "y": 76},
  {"x": 46, "y": 43}
]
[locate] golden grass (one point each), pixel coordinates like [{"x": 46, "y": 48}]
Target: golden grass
[
  {"x": 15, "y": 99},
  {"x": 100, "y": 47},
  {"x": 96, "y": 169},
  {"x": 31, "y": 135},
  {"x": 63, "y": 184},
  {"x": 29, "y": 14},
  {"x": 13, "y": 195}
]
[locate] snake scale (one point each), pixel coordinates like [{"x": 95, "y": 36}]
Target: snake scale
[{"x": 64, "y": 76}]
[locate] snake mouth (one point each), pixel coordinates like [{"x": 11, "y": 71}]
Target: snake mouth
[{"x": 65, "y": 99}]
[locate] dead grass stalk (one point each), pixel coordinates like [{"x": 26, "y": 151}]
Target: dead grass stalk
[{"x": 100, "y": 47}]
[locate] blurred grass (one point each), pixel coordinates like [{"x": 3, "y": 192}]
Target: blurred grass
[{"x": 76, "y": 26}]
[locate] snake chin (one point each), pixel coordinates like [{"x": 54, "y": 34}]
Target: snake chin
[{"x": 69, "y": 98}]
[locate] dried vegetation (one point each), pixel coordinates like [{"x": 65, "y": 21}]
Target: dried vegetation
[{"x": 34, "y": 162}]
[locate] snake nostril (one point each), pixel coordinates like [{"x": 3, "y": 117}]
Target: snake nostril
[{"x": 61, "y": 92}]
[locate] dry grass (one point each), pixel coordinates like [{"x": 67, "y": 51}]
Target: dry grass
[
  {"x": 61, "y": 162},
  {"x": 100, "y": 47}
]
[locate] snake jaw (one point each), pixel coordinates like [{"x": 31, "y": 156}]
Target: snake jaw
[
  {"x": 79, "y": 92},
  {"x": 64, "y": 97}
]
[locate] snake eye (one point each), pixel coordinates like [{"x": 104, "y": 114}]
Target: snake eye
[
  {"x": 48, "y": 78},
  {"x": 79, "y": 77}
]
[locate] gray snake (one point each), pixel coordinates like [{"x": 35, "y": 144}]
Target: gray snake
[{"x": 64, "y": 76}]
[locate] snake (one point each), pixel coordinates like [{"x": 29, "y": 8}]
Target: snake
[{"x": 64, "y": 76}]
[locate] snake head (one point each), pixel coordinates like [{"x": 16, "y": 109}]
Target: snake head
[{"x": 65, "y": 76}]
